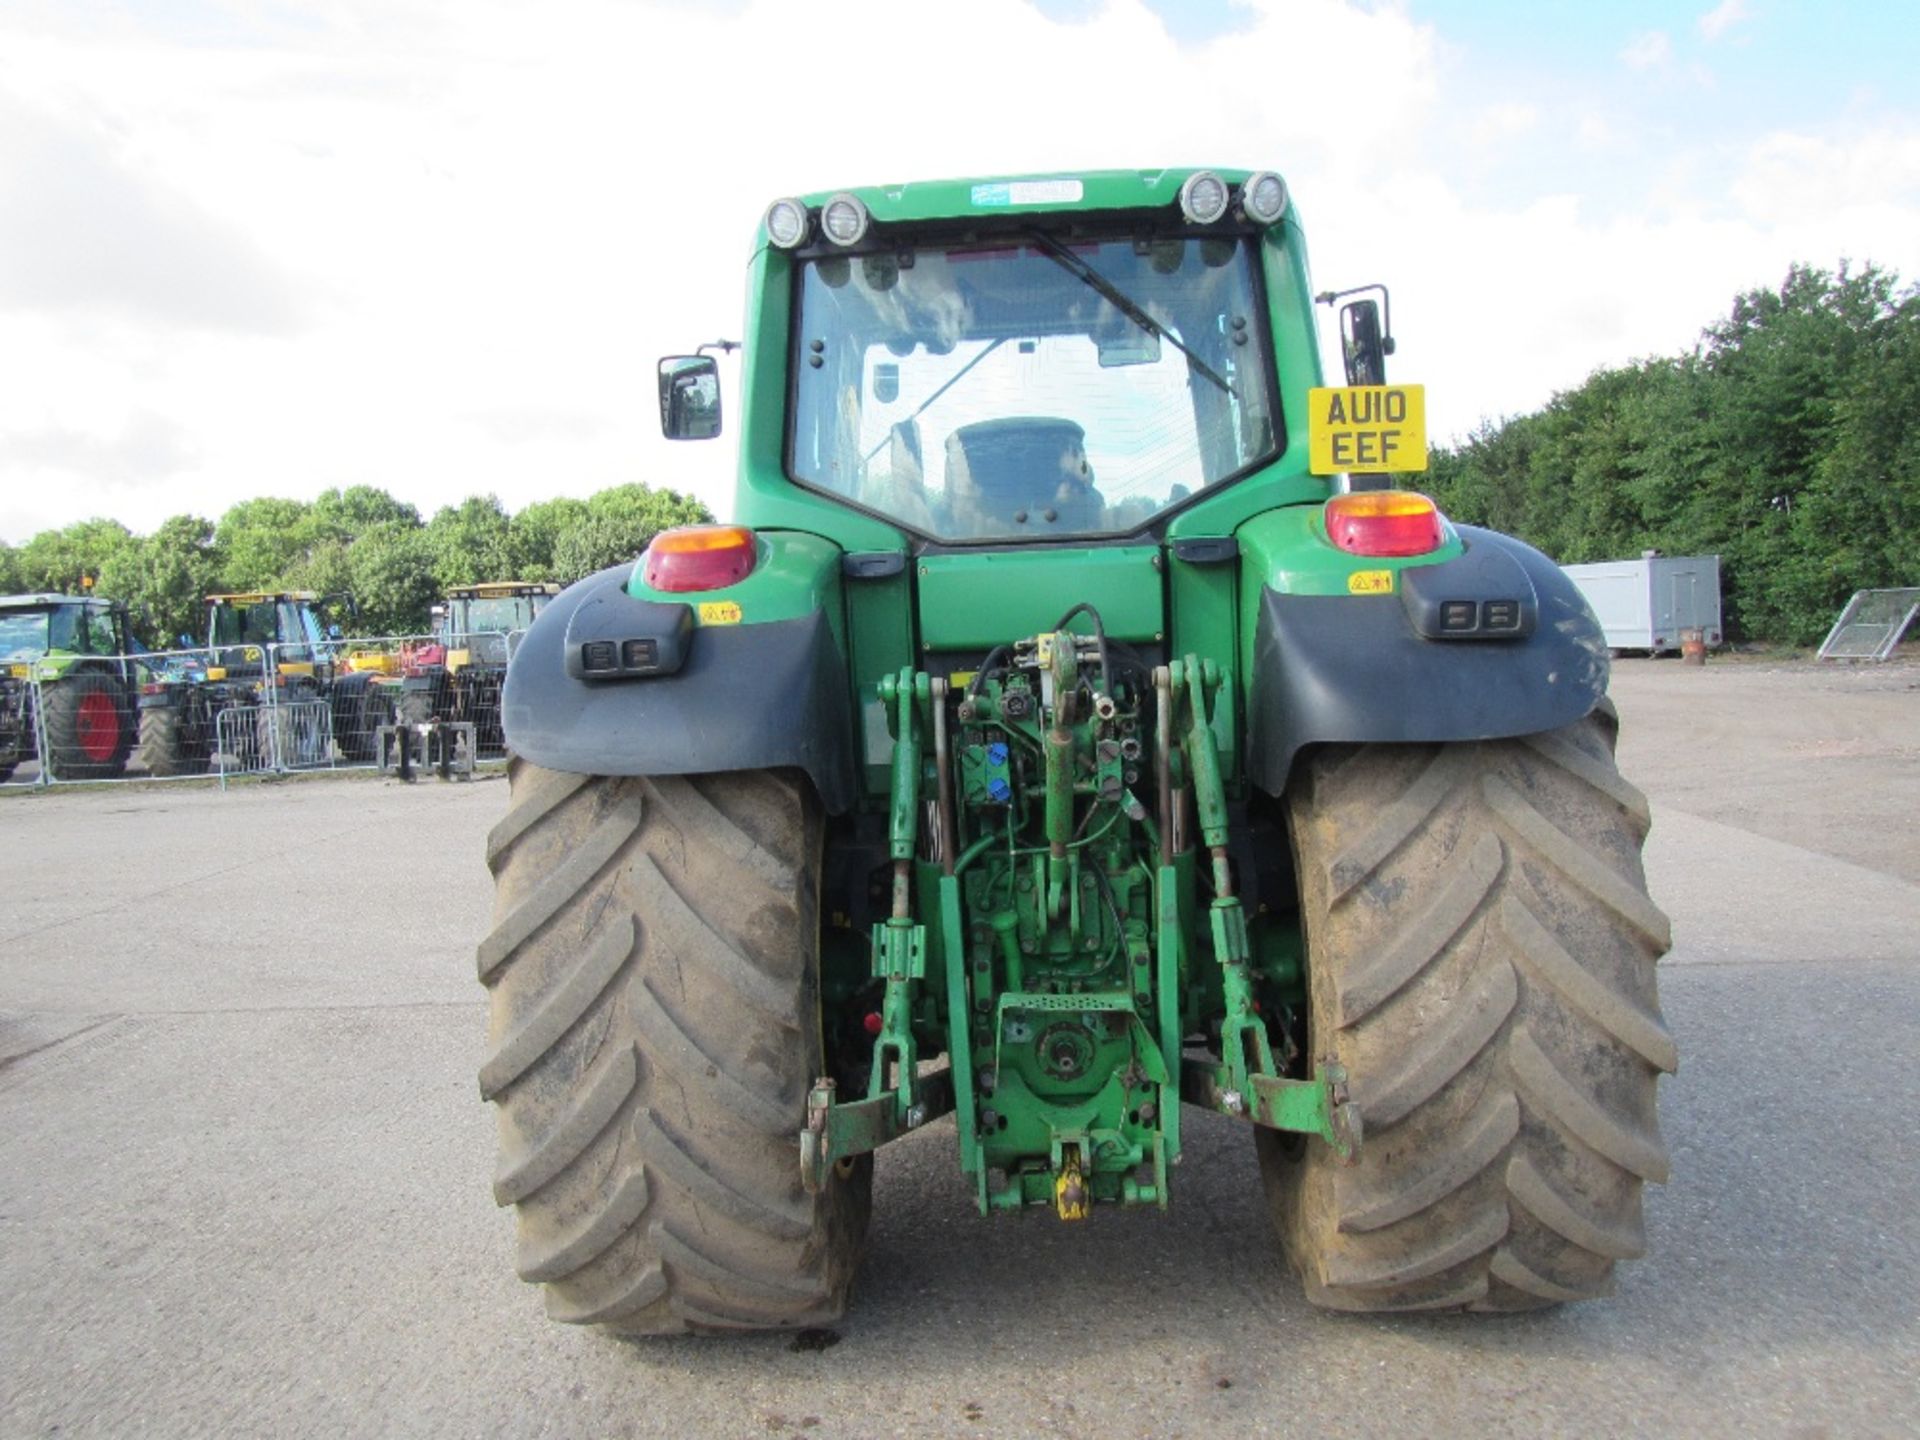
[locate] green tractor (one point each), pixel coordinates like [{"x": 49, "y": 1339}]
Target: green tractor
[
  {"x": 262, "y": 642},
  {"x": 458, "y": 674},
  {"x": 75, "y": 647},
  {"x": 1076, "y": 733}
]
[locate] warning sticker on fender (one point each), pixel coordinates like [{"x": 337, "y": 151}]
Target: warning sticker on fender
[
  {"x": 1370, "y": 582},
  {"x": 719, "y": 612}
]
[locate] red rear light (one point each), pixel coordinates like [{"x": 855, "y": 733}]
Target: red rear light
[
  {"x": 698, "y": 557},
  {"x": 1384, "y": 522}
]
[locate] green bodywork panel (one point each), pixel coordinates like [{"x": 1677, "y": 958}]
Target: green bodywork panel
[
  {"x": 979, "y": 600},
  {"x": 1288, "y": 550}
]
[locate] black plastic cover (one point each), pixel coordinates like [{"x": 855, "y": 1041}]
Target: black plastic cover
[
  {"x": 872, "y": 564},
  {"x": 613, "y": 637},
  {"x": 1486, "y": 594},
  {"x": 1207, "y": 550},
  {"x": 1353, "y": 668},
  {"x": 746, "y": 697}
]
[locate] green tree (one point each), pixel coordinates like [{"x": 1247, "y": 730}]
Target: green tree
[
  {"x": 345, "y": 515},
  {"x": 618, "y": 525},
  {"x": 1783, "y": 444},
  {"x": 64, "y": 559},
  {"x": 391, "y": 570},
  {"x": 262, "y": 540},
  {"x": 534, "y": 532},
  {"x": 1864, "y": 503},
  {"x": 164, "y": 578},
  {"x": 469, "y": 543}
]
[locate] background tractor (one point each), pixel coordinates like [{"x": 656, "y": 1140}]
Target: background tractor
[
  {"x": 258, "y": 642},
  {"x": 1078, "y": 732},
  {"x": 457, "y": 676},
  {"x": 75, "y": 647}
]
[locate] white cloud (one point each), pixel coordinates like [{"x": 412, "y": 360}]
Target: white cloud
[
  {"x": 1502, "y": 121},
  {"x": 1723, "y": 17},
  {"x": 1648, "y": 51},
  {"x": 1789, "y": 179},
  {"x": 496, "y": 221},
  {"x": 1595, "y": 133},
  {"x": 481, "y": 225}
]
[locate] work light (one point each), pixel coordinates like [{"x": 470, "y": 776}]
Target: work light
[
  {"x": 1264, "y": 197},
  {"x": 786, "y": 223},
  {"x": 1203, "y": 199},
  {"x": 844, "y": 219}
]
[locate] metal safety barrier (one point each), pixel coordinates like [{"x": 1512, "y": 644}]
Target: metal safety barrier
[
  {"x": 250, "y": 709},
  {"x": 1872, "y": 624}
]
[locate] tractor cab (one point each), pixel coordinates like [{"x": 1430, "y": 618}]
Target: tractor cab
[
  {"x": 247, "y": 632},
  {"x": 482, "y": 622},
  {"x": 48, "y": 627}
]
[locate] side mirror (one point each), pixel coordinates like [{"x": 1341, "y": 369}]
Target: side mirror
[
  {"x": 689, "y": 397},
  {"x": 1362, "y": 345},
  {"x": 333, "y": 632}
]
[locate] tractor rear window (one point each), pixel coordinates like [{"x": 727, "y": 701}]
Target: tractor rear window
[
  {"x": 1031, "y": 389},
  {"x": 497, "y": 615}
]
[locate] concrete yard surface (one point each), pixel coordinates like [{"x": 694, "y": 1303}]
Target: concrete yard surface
[{"x": 245, "y": 1169}]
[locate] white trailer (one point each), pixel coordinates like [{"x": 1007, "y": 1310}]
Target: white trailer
[{"x": 1644, "y": 604}]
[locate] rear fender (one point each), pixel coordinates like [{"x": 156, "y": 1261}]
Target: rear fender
[
  {"x": 1491, "y": 640},
  {"x": 750, "y": 677}
]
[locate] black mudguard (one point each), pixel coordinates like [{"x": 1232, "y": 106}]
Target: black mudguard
[
  {"x": 1380, "y": 669},
  {"x": 744, "y": 697}
]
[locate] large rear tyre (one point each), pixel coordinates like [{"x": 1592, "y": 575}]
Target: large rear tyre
[
  {"x": 655, "y": 1026},
  {"x": 168, "y": 745},
  {"x": 90, "y": 726},
  {"x": 1480, "y": 953}
]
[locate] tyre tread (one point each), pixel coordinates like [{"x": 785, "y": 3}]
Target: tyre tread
[
  {"x": 648, "y": 976},
  {"x": 1481, "y": 951}
]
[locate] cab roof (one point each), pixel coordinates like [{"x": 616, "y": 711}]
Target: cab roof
[
  {"x": 261, "y": 597},
  {"x": 40, "y": 599},
  {"x": 1005, "y": 195},
  {"x": 502, "y": 589}
]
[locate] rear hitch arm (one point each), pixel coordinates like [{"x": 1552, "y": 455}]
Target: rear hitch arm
[
  {"x": 837, "y": 1132},
  {"x": 898, "y": 1099},
  {"x": 1319, "y": 1106}
]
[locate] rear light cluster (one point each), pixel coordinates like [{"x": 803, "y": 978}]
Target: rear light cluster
[
  {"x": 1384, "y": 523},
  {"x": 698, "y": 557}
]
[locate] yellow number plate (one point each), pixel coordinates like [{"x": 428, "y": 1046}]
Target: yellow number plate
[
  {"x": 1367, "y": 428},
  {"x": 20, "y": 672},
  {"x": 719, "y": 612}
]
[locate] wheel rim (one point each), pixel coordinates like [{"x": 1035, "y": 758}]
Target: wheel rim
[{"x": 99, "y": 726}]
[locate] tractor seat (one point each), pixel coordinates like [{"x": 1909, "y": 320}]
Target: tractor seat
[{"x": 1006, "y": 477}]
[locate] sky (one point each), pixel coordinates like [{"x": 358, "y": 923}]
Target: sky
[{"x": 267, "y": 247}]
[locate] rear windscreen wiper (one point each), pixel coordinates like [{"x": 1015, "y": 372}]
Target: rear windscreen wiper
[{"x": 1121, "y": 301}]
